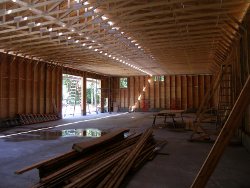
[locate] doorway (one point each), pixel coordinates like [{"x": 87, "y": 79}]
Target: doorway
[
  {"x": 72, "y": 95},
  {"x": 93, "y": 96}
]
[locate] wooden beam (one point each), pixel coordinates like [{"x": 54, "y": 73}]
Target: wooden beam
[{"x": 232, "y": 123}]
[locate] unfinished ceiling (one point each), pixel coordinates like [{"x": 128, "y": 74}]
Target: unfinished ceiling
[{"x": 123, "y": 37}]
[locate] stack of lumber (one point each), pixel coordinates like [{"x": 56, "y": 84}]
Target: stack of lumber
[
  {"x": 8, "y": 123},
  {"x": 27, "y": 119},
  {"x": 102, "y": 162}
]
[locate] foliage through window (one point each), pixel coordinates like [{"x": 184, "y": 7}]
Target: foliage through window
[
  {"x": 159, "y": 78},
  {"x": 123, "y": 82}
]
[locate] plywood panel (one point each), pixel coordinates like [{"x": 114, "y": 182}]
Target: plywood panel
[
  {"x": 126, "y": 98},
  {"x": 35, "y": 86},
  {"x": 23, "y": 86},
  {"x": 172, "y": 92},
  {"x": 131, "y": 91},
  {"x": 168, "y": 92},
  {"x": 152, "y": 94},
  {"x": 162, "y": 94},
  {"x": 183, "y": 92},
  {"x": 147, "y": 92},
  {"x": 141, "y": 85},
  {"x": 5, "y": 103},
  {"x": 195, "y": 91},
  {"x": 156, "y": 92},
  {"x": 178, "y": 92},
  {"x": 189, "y": 92}
]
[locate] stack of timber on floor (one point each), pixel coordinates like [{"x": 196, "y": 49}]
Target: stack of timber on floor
[
  {"x": 27, "y": 119},
  {"x": 102, "y": 162},
  {"x": 9, "y": 122}
]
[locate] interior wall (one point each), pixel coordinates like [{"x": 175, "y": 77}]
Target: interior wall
[
  {"x": 33, "y": 87},
  {"x": 175, "y": 92},
  {"x": 28, "y": 86}
]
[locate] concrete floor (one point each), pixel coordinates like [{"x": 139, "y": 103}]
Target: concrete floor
[{"x": 176, "y": 170}]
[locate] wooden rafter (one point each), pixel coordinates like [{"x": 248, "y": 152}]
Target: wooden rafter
[{"x": 175, "y": 33}]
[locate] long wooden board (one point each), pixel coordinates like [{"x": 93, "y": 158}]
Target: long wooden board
[
  {"x": 232, "y": 123},
  {"x": 84, "y": 146}
]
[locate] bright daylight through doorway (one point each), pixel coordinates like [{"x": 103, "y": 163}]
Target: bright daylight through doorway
[
  {"x": 72, "y": 96},
  {"x": 93, "y": 96}
]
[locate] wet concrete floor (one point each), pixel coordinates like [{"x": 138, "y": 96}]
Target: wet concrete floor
[
  {"x": 56, "y": 134},
  {"x": 176, "y": 167}
]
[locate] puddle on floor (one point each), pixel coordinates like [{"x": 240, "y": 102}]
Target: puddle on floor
[{"x": 56, "y": 134}]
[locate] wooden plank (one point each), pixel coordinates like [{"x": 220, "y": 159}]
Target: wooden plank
[
  {"x": 228, "y": 130},
  {"x": 100, "y": 141},
  {"x": 51, "y": 160},
  {"x": 128, "y": 162}
]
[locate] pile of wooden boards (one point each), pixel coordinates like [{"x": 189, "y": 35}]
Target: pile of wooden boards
[
  {"x": 101, "y": 162},
  {"x": 27, "y": 119},
  {"x": 9, "y": 122}
]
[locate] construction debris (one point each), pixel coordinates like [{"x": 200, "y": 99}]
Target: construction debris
[{"x": 103, "y": 162}]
